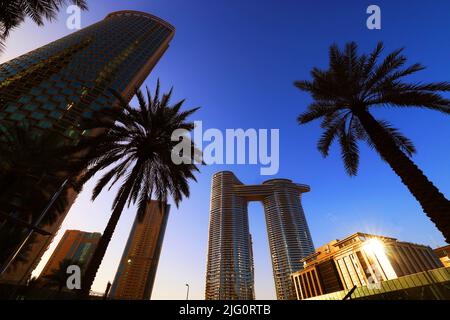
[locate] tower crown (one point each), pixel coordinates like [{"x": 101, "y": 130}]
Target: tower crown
[{"x": 141, "y": 14}]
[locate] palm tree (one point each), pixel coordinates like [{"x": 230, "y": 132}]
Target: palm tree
[
  {"x": 10, "y": 239},
  {"x": 14, "y": 12},
  {"x": 342, "y": 97},
  {"x": 32, "y": 167},
  {"x": 136, "y": 148}
]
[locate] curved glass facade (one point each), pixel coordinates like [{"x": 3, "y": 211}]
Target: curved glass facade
[
  {"x": 57, "y": 85},
  {"x": 230, "y": 273}
]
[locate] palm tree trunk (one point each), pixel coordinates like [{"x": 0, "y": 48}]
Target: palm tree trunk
[
  {"x": 433, "y": 202},
  {"x": 99, "y": 253},
  {"x": 100, "y": 250}
]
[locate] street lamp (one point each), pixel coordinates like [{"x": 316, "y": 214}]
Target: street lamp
[{"x": 187, "y": 294}]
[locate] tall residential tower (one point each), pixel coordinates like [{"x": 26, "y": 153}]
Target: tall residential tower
[
  {"x": 230, "y": 273},
  {"x": 137, "y": 269},
  {"x": 58, "y": 85}
]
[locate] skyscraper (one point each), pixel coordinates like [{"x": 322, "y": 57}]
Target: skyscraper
[
  {"x": 58, "y": 85},
  {"x": 76, "y": 246},
  {"x": 230, "y": 262},
  {"x": 137, "y": 269}
]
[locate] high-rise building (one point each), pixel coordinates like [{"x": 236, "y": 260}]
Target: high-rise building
[
  {"x": 58, "y": 85},
  {"x": 230, "y": 262},
  {"x": 443, "y": 254},
  {"x": 360, "y": 260},
  {"x": 76, "y": 246},
  {"x": 137, "y": 269}
]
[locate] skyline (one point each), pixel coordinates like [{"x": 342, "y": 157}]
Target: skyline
[{"x": 333, "y": 218}]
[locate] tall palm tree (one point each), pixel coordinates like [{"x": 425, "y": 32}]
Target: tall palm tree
[
  {"x": 136, "y": 149},
  {"x": 10, "y": 239},
  {"x": 32, "y": 167},
  {"x": 343, "y": 95},
  {"x": 14, "y": 12}
]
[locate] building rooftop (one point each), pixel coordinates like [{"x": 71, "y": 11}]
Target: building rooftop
[
  {"x": 141, "y": 14},
  {"x": 442, "y": 251},
  {"x": 327, "y": 250}
]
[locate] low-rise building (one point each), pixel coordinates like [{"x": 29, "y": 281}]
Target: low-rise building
[
  {"x": 360, "y": 260},
  {"x": 443, "y": 254}
]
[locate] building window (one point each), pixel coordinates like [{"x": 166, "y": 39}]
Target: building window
[
  {"x": 345, "y": 274},
  {"x": 17, "y": 116}
]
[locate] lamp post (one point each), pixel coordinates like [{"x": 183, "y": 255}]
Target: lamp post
[
  {"x": 108, "y": 288},
  {"x": 187, "y": 294}
]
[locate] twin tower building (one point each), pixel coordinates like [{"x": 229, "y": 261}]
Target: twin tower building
[
  {"x": 57, "y": 86},
  {"x": 230, "y": 274}
]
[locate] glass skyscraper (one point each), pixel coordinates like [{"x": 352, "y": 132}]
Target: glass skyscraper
[
  {"x": 230, "y": 274},
  {"x": 58, "y": 85}
]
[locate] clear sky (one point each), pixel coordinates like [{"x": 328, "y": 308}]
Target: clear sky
[{"x": 238, "y": 60}]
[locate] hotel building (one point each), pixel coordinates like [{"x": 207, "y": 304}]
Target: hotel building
[
  {"x": 230, "y": 273},
  {"x": 360, "y": 260},
  {"x": 57, "y": 86},
  {"x": 137, "y": 269}
]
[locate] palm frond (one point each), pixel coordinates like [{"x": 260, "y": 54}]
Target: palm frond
[
  {"x": 136, "y": 149},
  {"x": 317, "y": 110},
  {"x": 420, "y": 99},
  {"x": 330, "y": 134},
  {"x": 353, "y": 84},
  {"x": 405, "y": 144},
  {"x": 14, "y": 12},
  {"x": 349, "y": 150}
]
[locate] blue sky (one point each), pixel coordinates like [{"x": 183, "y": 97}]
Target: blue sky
[{"x": 238, "y": 60}]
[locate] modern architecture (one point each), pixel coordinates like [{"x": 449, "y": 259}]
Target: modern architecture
[
  {"x": 57, "y": 86},
  {"x": 137, "y": 269},
  {"x": 360, "y": 260},
  {"x": 230, "y": 273}
]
